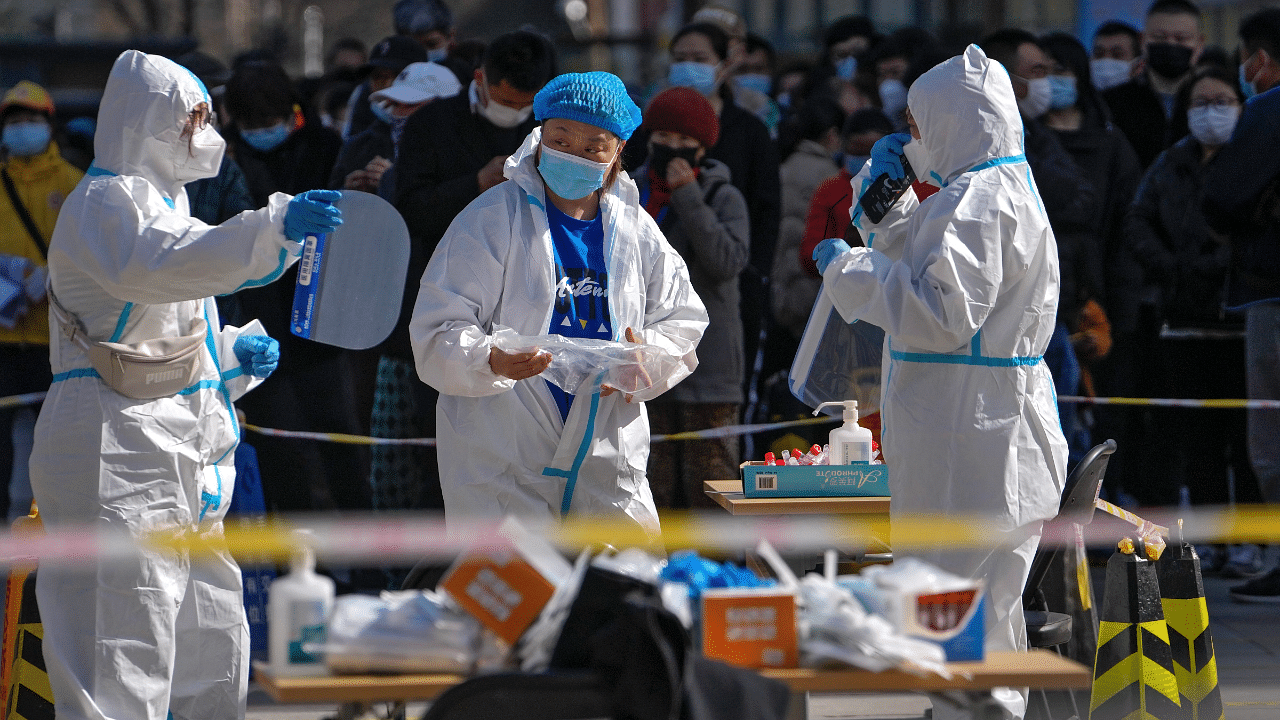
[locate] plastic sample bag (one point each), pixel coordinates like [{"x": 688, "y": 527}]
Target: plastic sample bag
[
  {"x": 837, "y": 360},
  {"x": 629, "y": 367},
  {"x": 411, "y": 631}
]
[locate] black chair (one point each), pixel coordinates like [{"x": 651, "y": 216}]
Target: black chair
[
  {"x": 1052, "y": 629},
  {"x": 575, "y": 695}
]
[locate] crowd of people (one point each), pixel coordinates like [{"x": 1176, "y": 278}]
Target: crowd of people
[{"x": 699, "y": 215}]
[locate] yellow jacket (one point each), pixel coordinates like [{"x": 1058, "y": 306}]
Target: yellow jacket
[{"x": 43, "y": 181}]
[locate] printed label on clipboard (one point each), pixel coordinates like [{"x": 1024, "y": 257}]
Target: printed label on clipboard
[{"x": 304, "y": 294}]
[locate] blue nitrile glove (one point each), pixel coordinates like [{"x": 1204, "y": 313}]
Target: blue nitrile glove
[
  {"x": 886, "y": 156},
  {"x": 258, "y": 354},
  {"x": 312, "y": 213},
  {"x": 829, "y": 250}
]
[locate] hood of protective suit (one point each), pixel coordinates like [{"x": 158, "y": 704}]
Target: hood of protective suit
[
  {"x": 140, "y": 121},
  {"x": 967, "y": 114}
]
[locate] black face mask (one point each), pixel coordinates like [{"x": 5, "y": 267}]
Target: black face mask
[
  {"x": 661, "y": 155},
  {"x": 1168, "y": 60}
]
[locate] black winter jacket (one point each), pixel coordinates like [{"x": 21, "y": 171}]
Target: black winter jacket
[{"x": 1172, "y": 242}]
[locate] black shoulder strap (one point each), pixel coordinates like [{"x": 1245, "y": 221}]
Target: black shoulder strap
[{"x": 23, "y": 215}]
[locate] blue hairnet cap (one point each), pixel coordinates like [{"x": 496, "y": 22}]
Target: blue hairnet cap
[{"x": 595, "y": 98}]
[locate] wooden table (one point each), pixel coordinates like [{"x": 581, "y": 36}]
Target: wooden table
[{"x": 1035, "y": 669}]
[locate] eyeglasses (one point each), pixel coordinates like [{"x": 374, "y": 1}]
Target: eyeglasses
[
  {"x": 1214, "y": 102},
  {"x": 199, "y": 119}
]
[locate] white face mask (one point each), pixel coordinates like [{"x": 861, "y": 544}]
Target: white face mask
[
  {"x": 1039, "y": 95},
  {"x": 1213, "y": 124},
  {"x": 918, "y": 156},
  {"x": 495, "y": 112},
  {"x": 202, "y": 158},
  {"x": 1109, "y": 72}
]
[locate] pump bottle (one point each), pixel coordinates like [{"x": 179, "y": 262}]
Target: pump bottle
[
  {"x": 850, "y": 442},
  {"x": 298, "y": 610}
]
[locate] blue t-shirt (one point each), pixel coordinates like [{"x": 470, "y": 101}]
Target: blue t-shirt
[{"x": 582, "y": 285}]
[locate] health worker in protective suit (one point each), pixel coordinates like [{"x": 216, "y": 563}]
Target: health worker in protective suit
[
  {"x": 137, "y": 447},
  {"x": 965, "y": 285},
  {"x": 562, "y": 247}
]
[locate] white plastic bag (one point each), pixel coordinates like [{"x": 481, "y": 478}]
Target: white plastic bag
[
  {"x": 405, "y": 631},
  {"x": 837, "y": 360},
  {"x": 629, "y": 367}
]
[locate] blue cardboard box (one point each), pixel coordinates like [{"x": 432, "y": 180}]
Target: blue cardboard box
[{"x": 853, "y": 480}]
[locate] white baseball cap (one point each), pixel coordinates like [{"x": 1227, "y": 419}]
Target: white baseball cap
[{"x": 420, "y": 82}]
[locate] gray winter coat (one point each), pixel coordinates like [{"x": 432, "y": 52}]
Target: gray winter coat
[{"x": 707, "y": 223}]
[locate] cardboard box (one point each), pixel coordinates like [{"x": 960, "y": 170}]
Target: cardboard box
[
  {"x": 505, "y": 586},
  {"x": 854, "y": 480},
  {"x": 954, "y": 619},
  {"x": 750, "y": 627}
]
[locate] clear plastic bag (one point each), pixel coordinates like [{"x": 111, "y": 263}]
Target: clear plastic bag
[
  {"x": 629, "y": 367},
  {"x": 837, "y": 361},
  {"x": 406, "y": 631}
]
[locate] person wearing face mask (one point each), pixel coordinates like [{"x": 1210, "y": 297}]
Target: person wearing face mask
[
  {"x": 564, "y": 247},
  {"x": 161, "y": 634},
  {"x": 705, "y": 219},
  {"x": 387, "y": 59},
  {"x": 1247, "y": 211},
  {"x": 37, "y": 181},
  {"x": 1117, "y": 47},
  {"x": 967, "y": 407},
  {"x": 1172, "y": 41},
  {"x": 698, "y": 55},
  {"x": 1184, "y": 266},
  {"x": 280, "y": 149},
  {"x": 365, "y": 158}
]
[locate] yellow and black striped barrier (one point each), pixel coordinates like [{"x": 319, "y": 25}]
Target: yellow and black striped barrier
[
  {"x": 1187, "y": 615},
  {"x": 29, "y": 697},
  {"x": 1133, "y": 673}
]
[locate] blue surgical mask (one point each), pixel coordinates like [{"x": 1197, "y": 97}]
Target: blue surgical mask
[
  {"x": 1063, "y": 91},
  {"x": 699, "y": 76},
  {"x": 847, "y": 68},
  {"x": 893, "y": 98},
  {"x": 853, "y": 163},
  {"x": 266, "y": 139},
  {"x": 382, "y": 111},
  {"x": 25, "y": 139},
  {"x": 1246, "y": 87},
  {"x": 759, "y": 82},
  {"x": 569, "y": 176}
]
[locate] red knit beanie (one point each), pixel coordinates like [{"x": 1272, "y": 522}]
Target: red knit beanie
[{"x": 685, "y": 111}]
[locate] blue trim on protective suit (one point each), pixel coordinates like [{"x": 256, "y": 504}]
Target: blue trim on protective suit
[
  {"x": 536, "y": 202},
  {"x": 222, "y": 386},
  {"x": 994, "y": 162},
  {"x": 207, "y": 500},
  {"x": 975, "y": 356},
  {"x": 124, "y": 318},
  {"x": 96, "y": 171},
  {"x": 269, "y": 277},
  {"x": 571, "y": 475},
  {"x": 77, "y": 373}
]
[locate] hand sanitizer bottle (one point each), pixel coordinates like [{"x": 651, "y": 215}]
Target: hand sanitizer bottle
[
  {"x": 298, "y": 610},
  {"x": 850, "y": 442}
]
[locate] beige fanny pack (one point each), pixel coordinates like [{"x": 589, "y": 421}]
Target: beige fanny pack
[{"x": 145, "y": 370}]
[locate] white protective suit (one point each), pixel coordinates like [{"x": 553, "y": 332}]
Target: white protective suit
[
  {"x": 502, "y": 445},
  {"x": 965, "y": 286},
  {"x": 161, "y": 632}
]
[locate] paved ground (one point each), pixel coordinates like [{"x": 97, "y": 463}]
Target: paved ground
[{"x": 1247, "y": 648}]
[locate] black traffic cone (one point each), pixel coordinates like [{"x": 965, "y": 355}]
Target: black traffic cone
[
  {"x": 1133, "y": 673},
  {"x": 1187, "y": 615}
]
